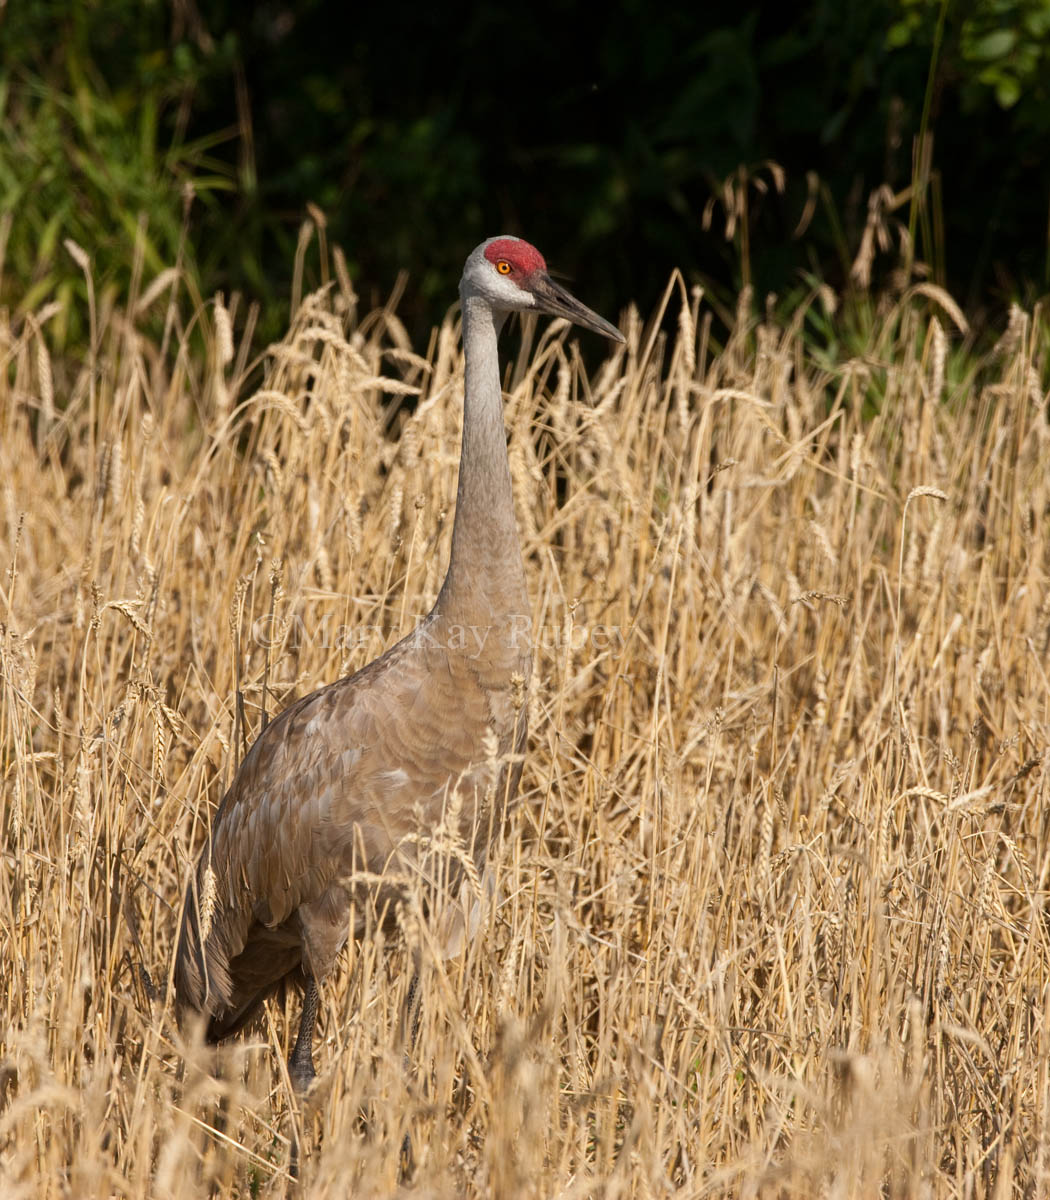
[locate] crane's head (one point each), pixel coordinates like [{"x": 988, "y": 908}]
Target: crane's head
[{"x": 511, "y": 275}]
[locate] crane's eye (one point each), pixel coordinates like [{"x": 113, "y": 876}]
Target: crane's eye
[{"x": 503, "y": 267}]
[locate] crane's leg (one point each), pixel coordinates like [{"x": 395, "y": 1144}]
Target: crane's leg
[
  {"x": 410, "y": 1019},
  {"x": 301, "y": 1061}
]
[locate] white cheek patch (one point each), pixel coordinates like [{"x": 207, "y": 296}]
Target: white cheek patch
[{"x": 503, "y": 289}]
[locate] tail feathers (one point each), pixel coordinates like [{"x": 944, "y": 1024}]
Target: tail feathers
[
  {"x": 203, "y": 981},
  {"x": 228, "y": 991},
  {"x": 256, "y": 973},
  {"x": 225, "y": 1024}
]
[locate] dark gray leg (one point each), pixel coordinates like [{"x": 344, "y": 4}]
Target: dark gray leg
[
  {"x": 413, "y": 1013},
  {"x": 301, "y": 1061},
  {"x": 409, "y": 1033}
]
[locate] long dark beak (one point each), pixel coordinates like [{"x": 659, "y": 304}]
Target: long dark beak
[{"x": 553, "y": 299}]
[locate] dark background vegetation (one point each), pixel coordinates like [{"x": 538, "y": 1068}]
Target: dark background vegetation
[{"x": 623, "y": 139}]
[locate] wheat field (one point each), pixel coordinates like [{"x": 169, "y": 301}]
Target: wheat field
[{"x": 769, "y": 918}]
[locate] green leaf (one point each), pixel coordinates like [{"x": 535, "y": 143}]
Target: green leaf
[
  {"x": 1007, "y": 91},
  {"x": 35, "y": 295},
  {"x": 899, "y": 34},
  {"x": 996, "y": 44}
]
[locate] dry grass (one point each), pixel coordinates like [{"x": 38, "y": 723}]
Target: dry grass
[{"x": 772, "y": 918}]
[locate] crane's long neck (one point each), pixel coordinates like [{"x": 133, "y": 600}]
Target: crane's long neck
[{"x": 485, "y": 584}]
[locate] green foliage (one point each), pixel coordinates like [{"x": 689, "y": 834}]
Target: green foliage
[
  {"x": 625, "y": 146},
  {"x": 97, "y": 156},
  {"x": 1002, "y": 46}
]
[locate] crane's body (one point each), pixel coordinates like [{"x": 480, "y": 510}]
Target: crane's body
[{"x": 330, "y": 801}]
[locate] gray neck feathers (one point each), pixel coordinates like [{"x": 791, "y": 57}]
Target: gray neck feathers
[{"x": 486, "y": 578}]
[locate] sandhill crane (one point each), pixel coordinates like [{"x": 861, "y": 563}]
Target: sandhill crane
[{"x": 342, "y": 783}]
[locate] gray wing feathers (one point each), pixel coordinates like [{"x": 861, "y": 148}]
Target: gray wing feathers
[
  {"x": 335, "y": 783},
  {"x": 265, "y": 855}
]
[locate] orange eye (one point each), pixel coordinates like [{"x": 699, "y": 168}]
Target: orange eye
[{"x": 503, "y": 267}]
